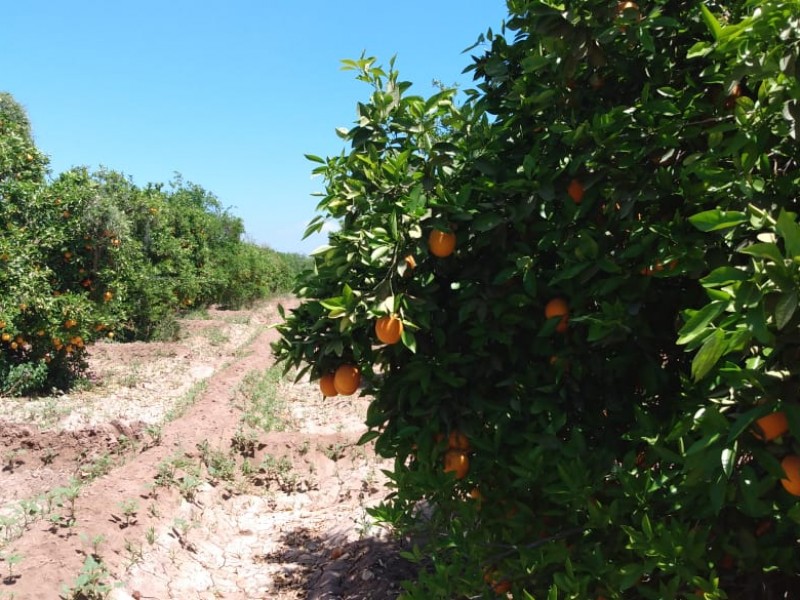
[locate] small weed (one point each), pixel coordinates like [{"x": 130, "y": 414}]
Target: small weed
[
  {"x": 94, "y": 542},
  {"x": 185, "y": 401},
  {"x": 98, "y": 468},
  {"x": 189, "y": 485},
  {"x": 244, "y": 443},
  {"x": 129, "y": 509},
  {"x": 12, "y": 460},
  {"x": 124, "y": 445},
  {"x": 130, "y": 379},
  {"x": 216, "y": 337},
  {"x": 91, "y": 583},
  {"x": 334, "y": 451},
  {"x": 65, "y": 497},
  {"x": 260, "y": 404},
  {"x": 48, "y": 456},
  {"x": 29, "y": 510},
  {"x": 11, "y": 560},
  {"x": 198, "y": 314},
  {"x": 219, "y": 465},
  {"x": 150, "y": 535},
  {"x": 279, "y": 470},
  {"x": 156, "y": 432},
  {"x": 135, "y": 553}
]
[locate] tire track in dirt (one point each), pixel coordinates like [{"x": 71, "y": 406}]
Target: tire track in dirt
[{"x": 294, "y": 527}]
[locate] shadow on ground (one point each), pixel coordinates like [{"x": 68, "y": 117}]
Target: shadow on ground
[{"x": 329, "y": 568}]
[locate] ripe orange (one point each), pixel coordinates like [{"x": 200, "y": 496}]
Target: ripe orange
[
  {"x": 389, "y": 329},
  {"x": 2, "y": 324},
  {"x": 5, "y": 337},
  {"x": 441, "y": 243},
  {"x": 457, "y": 462},
  {"x": 347, "y": 379},
  {"x": 557, "y": 307},
  {"x": 475, "y": 494},
  {"x": 499, "y": 586},
  {"x": 107, "y": 296},
  {"x": 326, "y": 385},
  {"x": 771, "y": 426},
  {"x": 70, "y": 323},
  {"x": 791, "y": 466},
  {"x": 457, "y": 441},
  {"x": 629, "y": 10},
  {"x": 575, "y": 190}
]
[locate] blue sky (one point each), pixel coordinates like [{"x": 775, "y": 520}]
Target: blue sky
[{"x": 229, "y": 94}]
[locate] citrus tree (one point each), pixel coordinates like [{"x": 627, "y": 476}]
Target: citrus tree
[
  {"x": 91, "y": 255},
  {"x": 573, "y": 299}
]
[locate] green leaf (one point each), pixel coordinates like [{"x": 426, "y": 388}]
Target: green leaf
[
  {"x": 792, "y": 411},
  {"x": 747, "y": 295},
  {"x": 367, "y": 437},
  {"x": 409, "y": 340},
  {"x": 314, "y": 158},
  {"x": 785, "y": 308},
  {"x": 789, "y": 230},
  {"x": 487, "y": 221},
  {"x": 728, "y": 461},
  {"x": 715, "y": 220},
  {"x": 703, "y": 443},
  {"x": 697, "y": 324},
  {"x": 710, "y": 352},
  {"x": 723, "y": 276},
  {"x": 379, "y": 252},
  {"x": 763, "y": 250}
]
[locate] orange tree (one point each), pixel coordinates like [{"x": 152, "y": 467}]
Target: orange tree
[
  {"x": 595, "y": 393},
  {"x": 45, "y": 320}
]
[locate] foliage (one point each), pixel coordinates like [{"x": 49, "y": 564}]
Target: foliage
[
  {"x": 89, "y": 255},
  {"x": 640, "y": 163}
]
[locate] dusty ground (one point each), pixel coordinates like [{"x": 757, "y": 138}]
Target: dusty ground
[{"x": 177, "y": 473}]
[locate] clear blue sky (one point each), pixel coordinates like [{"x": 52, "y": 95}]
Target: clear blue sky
[{"x": 230, "y": 94}]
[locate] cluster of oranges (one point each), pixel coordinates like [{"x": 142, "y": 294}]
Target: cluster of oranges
[
  {"x": 343, "y": 381},
  {"x": 773, "y": 426},
  {"x": 388, "y": 329}
]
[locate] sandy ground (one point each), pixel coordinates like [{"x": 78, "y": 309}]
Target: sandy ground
[{"x": 163, "y": 479}]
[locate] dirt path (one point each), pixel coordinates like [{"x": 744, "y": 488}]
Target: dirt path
[{"x": 189, "y": 470}]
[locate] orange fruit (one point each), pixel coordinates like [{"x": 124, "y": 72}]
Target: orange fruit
[
  {"x": 499, "y": 586},
  {"x": 575, "y": 190},
  {"x": 475, "y": 494},
  {"x": 771, "y": 426},
  {"x": 457, "y": 462},
  {"x": 347, "y": 379},
  {"x": 441, "y": 243},
  {"x": 457, "y": 441},
  {"x": 628, "y": 9},
  {"x": 70, "y": 323},
  {"x": 389, "y": 329},
  {"x": 557, "y": 307},
  {"x": 6, "y": 337},
  {"x": 2, "y": 324},
  {"x": 107, "y": 296},
  {"x": 326, "y": 385},
  {"x": 791, "y": 466}
]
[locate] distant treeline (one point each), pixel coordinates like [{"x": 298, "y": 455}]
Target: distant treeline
[{"x": 87, "y": 254}]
